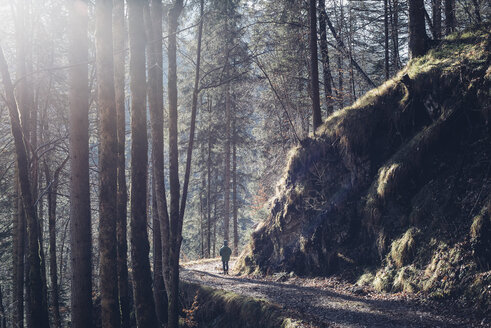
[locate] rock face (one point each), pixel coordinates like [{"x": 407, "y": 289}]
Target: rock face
[{"x": 395, "y": 188}]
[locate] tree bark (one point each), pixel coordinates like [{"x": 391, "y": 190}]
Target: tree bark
[
  {"x": 19, "y": 220},
  {"x": 143, "y": 295},
  {"x": 314, "y": 67},
  {"x": 107, "y": 165},
  {"x": 449, "y": 16},
  {"x": 53, "y": 268},
  {"x": 417, "y": 31},
  {"x": 3, "y": 317},
  {"x": 159, "y": 202},
  {"x": 326, "y": 68},
  {"x": 159, "y": 292},
  {"x": 208, "y": 184},
  {"x": 80, "y": 221},
  {"x": 37, "y": 306},
  {"x": 122, "y": 194},
  {"x": 394, "y": 14},
  {"x": 234, "y": 187},
  {"x": 386, "y": 40},
  {"x": 174, "y": 215},
  {"x": 436, "y": 10},
  {"x": 192, "y": 128}
]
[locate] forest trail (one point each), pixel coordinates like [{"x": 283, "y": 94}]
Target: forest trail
[{"x": 329, "y": 302}]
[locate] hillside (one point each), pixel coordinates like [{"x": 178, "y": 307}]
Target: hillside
[{"x": 394, "y": 191}]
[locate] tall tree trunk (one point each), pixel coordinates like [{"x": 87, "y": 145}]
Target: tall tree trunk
[
  {"x": 417, "y": 31},
  {"x": 395, "y": 32},
  {"x": 214, "y": 228},
  {"x": 436, "y": 10},
  {"x": 53, "y": 268},
  {"x": 18, "y": 256},
  {"x": 194, "y": 109},
  {"x": 386, "y": 40},
  {"x": 226, "y": 173},
  {"x": 234, "y": 186},
  {"x": 351, "y": 55},
  {"x": 314, "y": 66},
  {"x": 159, "y": 203},
  {"x": 449, "y": 16},
  {"x": 340, "y": 81},
  {"x": 208, "y": 184},
  {"x": 159, "y": 292},
  {"x": 80, "y": 222},
  {"x": 326, "y": 69},
  {"x": 37, "y": 307},
  {"x": 143, "y": 296},
  {"x": 122, "y": 194},
  {"x": 3, "y": 316},
  {"x": 174, "y": 214},
  {"x": 226, "y": 184},
  {"x": 20, "y": 224},
  {"x": 107, "y": 169},
  {"x": 477, "y": 11}
]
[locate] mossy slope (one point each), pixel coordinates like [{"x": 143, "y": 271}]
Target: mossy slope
[
  {"x": 396, "y": 185},
  {"x": 215, "y": 308}
]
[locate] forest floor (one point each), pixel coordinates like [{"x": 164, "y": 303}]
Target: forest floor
[{"x": 332, "y": 302}]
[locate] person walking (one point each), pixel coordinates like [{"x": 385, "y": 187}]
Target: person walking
[{"x": 225, "y": 253}]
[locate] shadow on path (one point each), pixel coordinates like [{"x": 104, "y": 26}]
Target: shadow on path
[{"x": 327, "y": 308}]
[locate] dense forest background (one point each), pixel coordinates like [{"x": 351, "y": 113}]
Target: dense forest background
[{"x": 241, "y": 98}]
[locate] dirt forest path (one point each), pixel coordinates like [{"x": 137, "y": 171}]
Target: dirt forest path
[{"x": 328, "y": 302}]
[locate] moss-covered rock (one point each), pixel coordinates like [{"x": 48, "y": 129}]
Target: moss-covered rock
[
  {"x": 213, "y": 308},
  {"x": 393, "y": 182}
]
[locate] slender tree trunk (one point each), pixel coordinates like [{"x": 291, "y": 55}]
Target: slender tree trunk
[
  {"x": 351, "y": 55},
  {"x": 326, "y": 69},
  {"x": 19, "y": 220},
  {"x": 314, "y": 67},
  {"x": 143, "y": 296},
  {"x": 226, "y": 184},
  {"x": 226, "y": 173},
  {"x": 174, "y": 214},
  {"x": 3, "y": 317},
  {"x": 208, "y": 184},
  {"x": 37, "y": 307},
  {"x": 80, "y": 222},
  {"x": 53, "y": 268},
  {"x": 449, "y": 16},
  {"x": 214, "y": 229},
  {"x": 194, "y": 109},
  {"x": 18, "y": 256},
  {"x": 159, "y": 203},
  {"x": 234, "y": 186},
  {"x": 386, "y": 40},
  {"x": 417, "y": 31},
  {"x": 159, "y": 292},
  {"x": 477, "y": 11},
  {"x": 155, "y": 96},
  {"x": 122, "y": 194},
  {"x": 436, "y": 7},
  {"x": 107, "y": 169},
  {"x": 394, "y": 15}
]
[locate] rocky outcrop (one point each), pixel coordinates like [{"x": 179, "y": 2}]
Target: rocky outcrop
[{"x": 395, "y": 188}]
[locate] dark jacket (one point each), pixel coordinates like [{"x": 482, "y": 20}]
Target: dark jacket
[{"x": 225, "y": 253}]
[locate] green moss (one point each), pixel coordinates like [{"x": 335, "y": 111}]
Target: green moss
[
  {"x": 460, "y": 48},
  {"x": 217, "y": 308}
]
